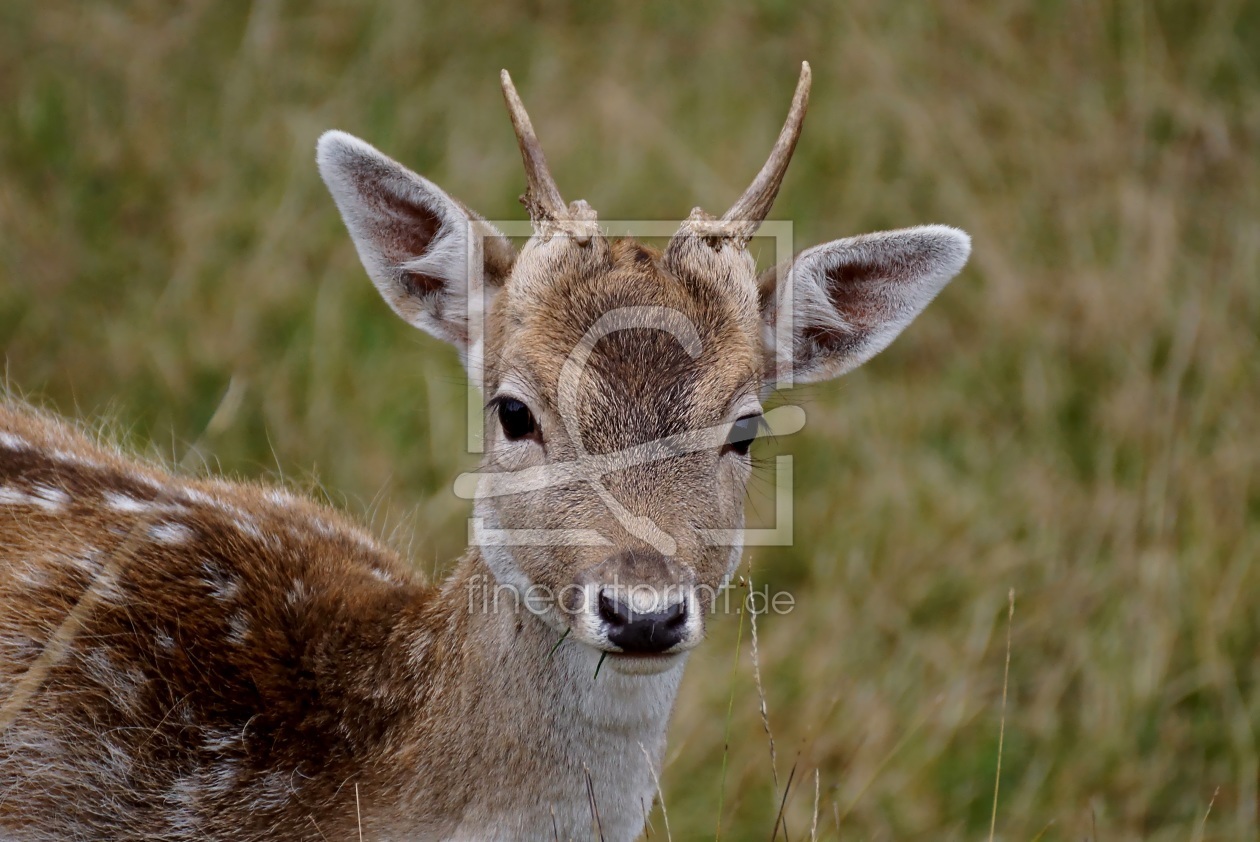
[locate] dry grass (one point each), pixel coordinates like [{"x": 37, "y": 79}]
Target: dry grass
[{"x": 1077, "y": 417}]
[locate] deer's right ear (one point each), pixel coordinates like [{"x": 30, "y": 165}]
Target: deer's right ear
[{"x": 415, "y": 241}]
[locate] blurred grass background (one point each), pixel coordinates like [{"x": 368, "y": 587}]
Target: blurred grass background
[{"x": 1076, "y": 417}]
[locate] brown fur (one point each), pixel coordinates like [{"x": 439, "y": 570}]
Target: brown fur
[{"x": 214, "y": 671}]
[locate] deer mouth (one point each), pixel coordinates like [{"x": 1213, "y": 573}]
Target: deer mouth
[{"x": 635, "y": 663}]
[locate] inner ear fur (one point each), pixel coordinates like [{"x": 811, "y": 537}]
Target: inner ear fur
[
  {"x": 412, "y": 237},
  {"x": 852, "y": 297}
]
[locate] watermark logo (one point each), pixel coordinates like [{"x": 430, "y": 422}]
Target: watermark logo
[
  {"x": 591, "y": 469},
  {"x": 485, "y": 595}
]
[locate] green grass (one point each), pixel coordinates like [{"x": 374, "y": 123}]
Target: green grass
[{"x": 1077, "y": 417}]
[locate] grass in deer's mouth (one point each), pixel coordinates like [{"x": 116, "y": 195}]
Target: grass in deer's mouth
[{"x": 552, "y": 653}]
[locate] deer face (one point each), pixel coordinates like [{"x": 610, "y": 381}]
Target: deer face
[
  {"x": 623, "y": 384},
  {"x": 624, "y": 374}
]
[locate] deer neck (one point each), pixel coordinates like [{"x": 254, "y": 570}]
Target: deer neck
[{"x": 529, "y": 719}]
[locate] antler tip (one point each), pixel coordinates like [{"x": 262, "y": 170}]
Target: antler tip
[
  {"x": 806, "y": 81},
  {"x": 751, "y": 208},
  {"x": 542, "y": 197}
]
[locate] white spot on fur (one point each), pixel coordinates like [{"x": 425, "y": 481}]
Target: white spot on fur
[
  {"x": 125, "y": 503},
  {"x": 12, "y": 497},
  {"x": 13, "y": 442},
  {"x": 386, "y": 576},
  {"x": 223, "y": 777},
  {"x": 298, "y": 593},
  {"x": 273, "y": 791},
  {"x": 69, "y": 457},
  {"x": 164, "y": 641},
  {"x": 238, "y": 624},
  {"x": 124, "y": 685},
  {"x": 200, "y": 498},
  {"x": 183, "y": 803},
  {"x": 219, "y": 741},
  {"x": 107, "y": 589},
  {"x": 170, "y": 533},
  {"x": 246, "y": 525},
  {"x": 223, "y": 586},
  {"x": 279, "y": 498},
  {"x": 42, "y": 497},
  {"x": 54, "y": 497}
]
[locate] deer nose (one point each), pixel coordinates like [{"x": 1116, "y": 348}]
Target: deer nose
[{"x": 642, "y": 634}]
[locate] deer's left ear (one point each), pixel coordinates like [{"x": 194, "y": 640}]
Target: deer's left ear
[{"x": 851, "y": 297}]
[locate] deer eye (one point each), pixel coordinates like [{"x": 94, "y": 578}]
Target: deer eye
[
  {"x": 742, "y": 434},
  {"x": 516, "y": 419}
]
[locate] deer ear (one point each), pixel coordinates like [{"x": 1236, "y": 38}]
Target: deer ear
[
  {"x": 415, "y": 241},
  {"x": 850, "y": 298}
]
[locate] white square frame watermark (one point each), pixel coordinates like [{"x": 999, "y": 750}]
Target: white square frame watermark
[{"x": 780, "y": 233}]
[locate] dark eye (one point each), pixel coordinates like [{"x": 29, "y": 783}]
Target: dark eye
[
  {"x": 517, "y": 421},
  {"x": 742, "y": 434}
]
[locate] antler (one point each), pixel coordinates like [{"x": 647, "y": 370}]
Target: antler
[
  {"x": 542, "y": 198},
  {"x": 748, "y": 212},
  {"x": 741, "y": 222}
]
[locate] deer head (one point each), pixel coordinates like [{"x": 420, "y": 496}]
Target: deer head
[{"x": 623, "y": 384}]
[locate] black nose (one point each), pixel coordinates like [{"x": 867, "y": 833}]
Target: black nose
[{"x": 642, "y": 634}]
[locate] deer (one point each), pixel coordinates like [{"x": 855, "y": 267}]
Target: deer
[{"x": 187, "y": 657}]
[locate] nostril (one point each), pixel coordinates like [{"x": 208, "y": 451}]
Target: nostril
[
  {"x": 646, "y": 634},
  {"x": 612, "y": 611}
]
